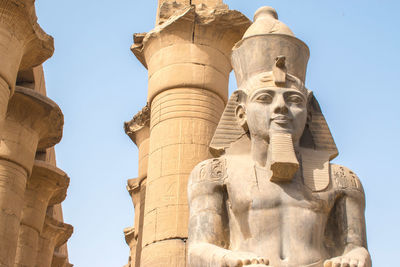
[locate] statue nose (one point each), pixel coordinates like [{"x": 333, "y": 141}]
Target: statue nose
[{"x": 280, "y": 105}]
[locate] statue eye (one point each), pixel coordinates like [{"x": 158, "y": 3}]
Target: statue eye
[
  {"x": 264, "y": 98},
  {"x": 294, "y": 99}
]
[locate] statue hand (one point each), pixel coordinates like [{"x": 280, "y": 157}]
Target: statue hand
[
  {"x": 358, "y": 257},
  {"x": 237, "y": 259}
]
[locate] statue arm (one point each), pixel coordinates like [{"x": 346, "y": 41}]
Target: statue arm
[
  {"x": 207, "y": 219},
  {"x": 351, "y": 221}
]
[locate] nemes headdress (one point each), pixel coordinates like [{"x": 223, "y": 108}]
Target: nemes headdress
[{"x": 270, "y": 52}]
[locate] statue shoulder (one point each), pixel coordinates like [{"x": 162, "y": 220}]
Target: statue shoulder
[
  {"x": 206, "y": 179},
  {"x": 345, "y": 179},
  {"x": 211, "y": 170}
]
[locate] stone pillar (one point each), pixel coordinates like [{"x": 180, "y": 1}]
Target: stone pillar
[
  {"x": 47, "y": 185},
  {"x": 138, "y": 130},
  {"x": 32, "y": 122},
  {"x": 188, "y": 60},
  {"x": 60, "y": 259},
  {"x": 54, "y": 234},
  {"x": 131, "y": 241},
  {"x": 23, "y": 44},
  {"x": 60, "y": 255}
]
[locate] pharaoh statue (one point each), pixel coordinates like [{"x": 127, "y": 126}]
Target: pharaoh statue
[{"x": 271, "y": 197}]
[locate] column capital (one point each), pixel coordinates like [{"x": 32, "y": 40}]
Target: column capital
[
  {"x": 182, "y": 23},
  {"x": 46, "y": 186},
  {"x": 54, "y": 234},
  {"x": 51, "y": 177},
  {"x": 134, "y": 186},
  {"x": 195, "y": 40},
  {"x": 20, "y": 31},
  {"x": 59, "y": 260},
  {"x": 138, "y": 128},
  {"x": 56, "y": 231},
  {"x": 130, "y": 236},
  {"x": 39, "y": 124}
]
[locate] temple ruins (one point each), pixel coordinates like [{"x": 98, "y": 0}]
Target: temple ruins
[
  {"x": 32, "y": 188},
  {"x": 256, "y": 165}
]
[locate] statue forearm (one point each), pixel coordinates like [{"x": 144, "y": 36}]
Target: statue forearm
[{"x": 354, "y": 228}]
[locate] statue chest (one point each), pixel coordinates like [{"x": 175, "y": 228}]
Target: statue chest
[{"x": 252, "y": 191}]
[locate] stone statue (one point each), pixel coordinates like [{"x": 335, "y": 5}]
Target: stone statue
[{"x": 271, "y": 196}]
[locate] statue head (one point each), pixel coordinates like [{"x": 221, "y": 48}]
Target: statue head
[
  {"x": 267, "y": 109},
  {"x": 272, "y": 102}
]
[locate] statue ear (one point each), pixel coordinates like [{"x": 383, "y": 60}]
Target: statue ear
[{"x": 241, "y": 117}]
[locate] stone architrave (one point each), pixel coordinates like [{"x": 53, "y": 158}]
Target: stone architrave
[
  {"x": 271, "y": 197},
  {"x": 23, "y": 45},
  {"x": 54, "y": 234},
  {"x": 138, "y": 130},
  {"x": 32, "y": 122},
  {"x": 46, "y": 186},
  {"x": 187, "y": 55}
]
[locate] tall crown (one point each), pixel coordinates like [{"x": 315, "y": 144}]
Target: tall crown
[{"x": 266, "y": 42}]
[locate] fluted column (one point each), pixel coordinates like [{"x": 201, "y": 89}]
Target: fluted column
[
  {"x": 23, "y": 44},
  {"x": 32, "y": 122},
  {"x": 188, "y": 61},
  {"x": 47, "y": 185},
  {"x": 54, "y": 234},
  {"x": 138, "y": 130}
]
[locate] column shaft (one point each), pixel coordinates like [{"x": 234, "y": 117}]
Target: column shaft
[
  {"x": 31, "y": 120},
  {"x": 12, "y": 188},
  {"x": 183, "y": 121},
  {"x": 46, "y": 184},
  {"x": 188, "y": 61}
]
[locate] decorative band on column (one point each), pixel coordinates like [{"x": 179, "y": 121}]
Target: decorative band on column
[{"x": 185, "y": 103}]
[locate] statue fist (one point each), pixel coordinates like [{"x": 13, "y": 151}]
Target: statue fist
[
  {"x": 358, "y": 257},
  {"x": 237, "y": 259}
]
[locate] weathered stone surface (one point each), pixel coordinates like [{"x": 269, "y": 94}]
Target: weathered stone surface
[
  {"x": 138, "y": 129},
  {"x": 272, "y": 197},
  {"x": 32, "y": 122},
  {"x": 197, "y": 41},
  {"x": 169, "y": 253},
  {"x": 23, "y": 44},
  {"x": 187, "y": 55},
  {"x": 47, "y": 184},
  {"x": 54, "y": 234}
]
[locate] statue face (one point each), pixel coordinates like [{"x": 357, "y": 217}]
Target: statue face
[{"x": 270, "y": 110}]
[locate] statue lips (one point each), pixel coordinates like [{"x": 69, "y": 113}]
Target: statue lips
[{"x": 281, "y": 120}]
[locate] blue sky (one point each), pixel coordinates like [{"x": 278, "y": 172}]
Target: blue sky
[{"x": 353, "y": 70}]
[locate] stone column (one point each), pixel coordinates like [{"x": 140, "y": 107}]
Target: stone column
[
  {"x": 54, "y": 234},
  {"x": 47, "y": 185},
  {"x": 60, "y": 259},
  {"x": 188, "y": 60},
  {"x": 60, "y": 256},
  {"x": 131, "y": 241},
  {"x": 138, "y": 130},
  {"x": 32, "y": 122},
  {"x": 23, "y": 44}
]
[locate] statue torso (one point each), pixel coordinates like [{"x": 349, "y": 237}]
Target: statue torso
[{"x": 284, "y": 222}]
